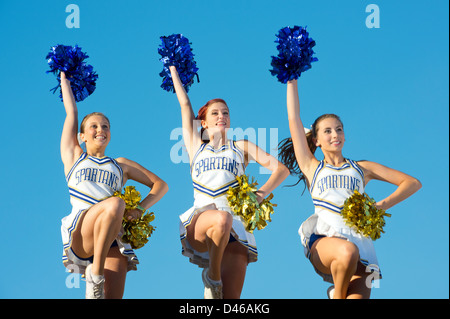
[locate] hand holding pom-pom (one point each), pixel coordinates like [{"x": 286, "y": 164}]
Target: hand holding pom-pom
[
  {"x": 243, "y": 201},
  {"x": 361, "y": 213},
  {"x": 136, "y": 231},
  {"x": 70, "y": 59},
  {"x": 175, "y": 51},
  {"x": 295, "y": 54}
]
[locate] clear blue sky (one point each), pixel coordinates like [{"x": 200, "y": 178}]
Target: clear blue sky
[{"x": 388, "y": 84}]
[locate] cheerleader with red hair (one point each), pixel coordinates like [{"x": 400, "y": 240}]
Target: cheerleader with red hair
[{"x": 212, "y": 237}]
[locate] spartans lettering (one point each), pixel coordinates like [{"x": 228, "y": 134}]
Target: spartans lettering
[{"x": 97, "y": 175}]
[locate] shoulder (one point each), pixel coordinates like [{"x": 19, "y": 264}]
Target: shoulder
[
  {"x": 248, "y": 149},
  {"x": 124, "y": 160},
  {"x": 372, "y": 170},
  {"x": 240, "y": 143},
  {"x": 124, "y": 163},
  {"x": 244, "y": 145},
  {"x": 130, "y": 168},
  {"x": 365, "y": 164}
]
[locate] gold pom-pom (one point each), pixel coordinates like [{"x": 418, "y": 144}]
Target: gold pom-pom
[
  {"x": 243, "y": 202},
  {"x": 137, "y": 231},
  {"x": 130, "y": 196},
  {"x": 360, "y": 212}
]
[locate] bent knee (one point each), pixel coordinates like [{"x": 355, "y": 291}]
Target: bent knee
[
  {"x": 115, "y": 206},
  {"x": 221, "y": 225},
  {"x": 348, "y": 254},
  {"x": 116, "y": 203},
  {"x": 223, "y": 221}
]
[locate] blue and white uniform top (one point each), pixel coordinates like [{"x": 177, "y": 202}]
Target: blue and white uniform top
[
  {"x": 330, "y": 187},
  {"x": 213, "y": 172},
  {"x": 90, "y": 181}
]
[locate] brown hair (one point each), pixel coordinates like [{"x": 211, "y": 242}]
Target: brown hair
[
  {"x": 286, "y": 148},
  {"x": 201, "y": 115},
  {"x": 83, "y": 122}
]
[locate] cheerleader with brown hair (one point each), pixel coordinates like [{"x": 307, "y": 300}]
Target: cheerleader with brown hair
[{"x": 338, "y": 253}]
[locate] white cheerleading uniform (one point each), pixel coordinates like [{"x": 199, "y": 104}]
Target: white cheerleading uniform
[
  {"x": 90, "y": 181},
  {"x": 213, "y": 172},
  {"x": 329, "y": 189}
]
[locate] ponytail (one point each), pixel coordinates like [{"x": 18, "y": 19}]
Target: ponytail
[
  {"x": 286, "y": 152},
  {"x": 287, "y": 156}
]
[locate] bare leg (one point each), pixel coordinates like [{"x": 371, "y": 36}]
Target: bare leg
[
  {"x": 358, "y": 288},
  {"x": 99, "y": 227},
  {"x": 210, "y": 231},
  {"x": 116, "y": 267},
  {"x": 234, "y": 267},
  {"x": 340, "y": 258}
]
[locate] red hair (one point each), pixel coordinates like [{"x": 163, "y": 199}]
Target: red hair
[{"x": 201, "y": 115}]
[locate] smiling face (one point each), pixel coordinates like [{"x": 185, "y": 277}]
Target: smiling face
[
  {"x": 330, "y": 135},
  {"x": 217, "y": 117},
  {"x": 95, "y": 131}
]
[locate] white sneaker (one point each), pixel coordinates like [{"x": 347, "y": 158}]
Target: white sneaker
[
  {"x": 94, "y": 290},
  {"x": 212, "y": 291},
  {"x": 330, "y": 292}
]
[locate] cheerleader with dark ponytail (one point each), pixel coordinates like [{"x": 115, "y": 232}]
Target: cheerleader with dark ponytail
[
  {"x": 286, "y": 148},
  {"x": 338, "y": 253}
]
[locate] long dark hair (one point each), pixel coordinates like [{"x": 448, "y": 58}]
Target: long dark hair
[{"x": 286, "y": 152}]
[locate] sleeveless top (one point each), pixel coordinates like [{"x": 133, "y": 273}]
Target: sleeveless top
[
  {"x": 331, "y": 186},
  {"x": 93, "y": 179},
  {"x": 214, "y": 171}
]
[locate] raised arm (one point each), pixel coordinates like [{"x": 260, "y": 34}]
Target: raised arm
[
  {"x": 305, "y": 159},
  {"x": 70, "y": 148},
  {"x": 406, "y": 184},
  {"x": 279, "y": 171},
  {"x": 191, "y": 136}
]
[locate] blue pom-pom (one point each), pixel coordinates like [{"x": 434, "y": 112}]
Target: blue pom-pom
[
  {"x": 176, "y": 50},
  {"x": 81, "y": 75},
  {"x": 295, "y": 54}
]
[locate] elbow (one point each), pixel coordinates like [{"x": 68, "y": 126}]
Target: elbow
[
  {"x": 413, "y": 184},
  {"x": 416, "y": 184},
  {"x": 284, "y": 171},
  {"x": 164, "y": 187}
]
